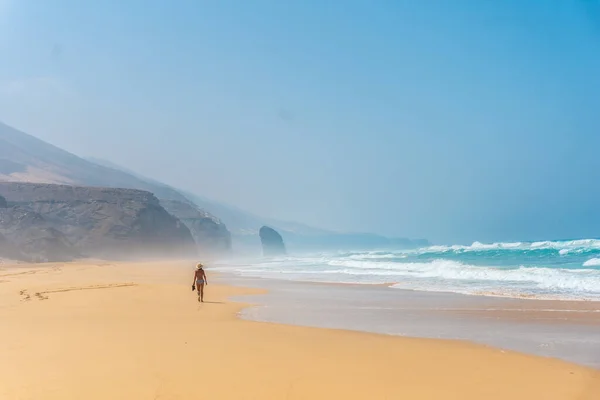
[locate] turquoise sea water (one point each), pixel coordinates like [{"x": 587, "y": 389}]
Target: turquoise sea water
[{"x": 550, "y": 269}]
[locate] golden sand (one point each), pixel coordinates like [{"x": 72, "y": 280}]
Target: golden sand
[{"x": 136, "y": 331}]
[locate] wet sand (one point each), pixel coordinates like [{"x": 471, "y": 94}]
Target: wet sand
[
  {"x": 135, "y": 331},
  {"x": 569, "y": 330}
]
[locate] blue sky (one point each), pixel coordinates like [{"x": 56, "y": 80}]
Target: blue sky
[{"x": 452, "y": 120}]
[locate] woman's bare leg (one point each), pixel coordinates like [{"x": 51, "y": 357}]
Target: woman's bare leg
[{"x": 202, "y": 293}]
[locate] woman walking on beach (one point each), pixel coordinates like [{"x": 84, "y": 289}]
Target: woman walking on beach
[{"x": 199, "y": 281}]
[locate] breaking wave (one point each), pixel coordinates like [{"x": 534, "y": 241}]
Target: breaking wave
[
  {"x": 563, "y": 247},
  {"x": 549, "y": 269},
  {"x": 594, "y": 262}
]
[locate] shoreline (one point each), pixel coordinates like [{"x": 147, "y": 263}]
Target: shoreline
[
  {"x": 565, "y": 330},
  {"x": 391, "y": 285},
  {"x": 151, "y": 339}
]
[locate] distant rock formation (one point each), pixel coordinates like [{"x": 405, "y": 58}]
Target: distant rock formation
[
  {"x": 97, "y": 222},
  {"x": 210, "y": 234},
  {"x": 3, "y": 203},
  {"x": 272, "y": 242}
]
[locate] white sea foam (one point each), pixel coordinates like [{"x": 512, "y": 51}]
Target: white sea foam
[
  {"x": 442, "y": 275},
  {"x": 580, "y": 279},
  {"x": 475, "y": 246},
  {"x": 564, "y": 247},
  {"x": 376, "y": 256},
  {"x": 570, "y": 244},
  {"x": 593, "y": 262}
]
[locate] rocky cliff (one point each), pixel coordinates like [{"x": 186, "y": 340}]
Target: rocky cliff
[
  {"x": 27, "y": 236},
  {"x": 24, "y": 158},
  {"x": 98, "y": 222},
  {"x": 272, "y": 242},
  {"x": 210, "y": 234}
]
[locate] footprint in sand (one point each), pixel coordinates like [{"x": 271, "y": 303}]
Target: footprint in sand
[
  {"x": 25, "y": 296},
  {"x": 41, "y": 295},
  {"x": 33, "y": 272}
]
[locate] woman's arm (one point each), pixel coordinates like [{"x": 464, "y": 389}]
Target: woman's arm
[{"x": 205, "y": 280}]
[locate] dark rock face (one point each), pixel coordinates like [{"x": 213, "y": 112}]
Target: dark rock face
[
  {"x": 210, "y": 234},
  {"x": 272, "y": 242},
  {"x": 29, "y": 237},
  {"x": 3, "y": 203},
  {"x": 101, "y": 222}
]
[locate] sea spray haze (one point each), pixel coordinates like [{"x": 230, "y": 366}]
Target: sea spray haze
[
  {"x": 453, "y": 121},
  {"x": 548, "y": 269}
]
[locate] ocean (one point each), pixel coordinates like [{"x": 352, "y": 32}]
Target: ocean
[{"x": 560, "y": 270}]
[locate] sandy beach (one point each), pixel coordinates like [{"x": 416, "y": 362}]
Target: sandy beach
[{"x": 100, "y": 330}]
